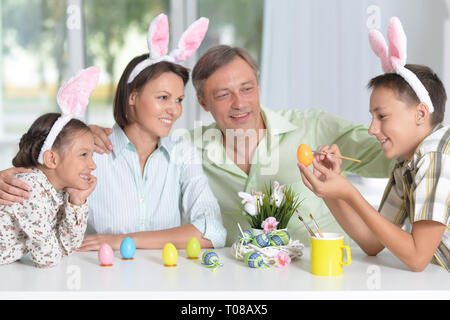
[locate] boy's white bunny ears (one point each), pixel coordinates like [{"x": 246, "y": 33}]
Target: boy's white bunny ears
[
  {"x": 158, "y": 43},
  {"x": 72, "y": 98},
  {"x": 393, "y": 59}
]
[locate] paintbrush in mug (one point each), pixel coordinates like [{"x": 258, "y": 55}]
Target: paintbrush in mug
[
  {"x": 317, "y": 226},
  {"x": 306, "y": 226}
]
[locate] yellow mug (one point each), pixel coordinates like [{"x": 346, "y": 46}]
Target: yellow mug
[{"x": 327, "y": 254}]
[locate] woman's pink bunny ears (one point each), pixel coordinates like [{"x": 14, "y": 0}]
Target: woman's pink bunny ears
[
  {"x": 393, "y": 59},
  {"x": 72, "y": 98},
  {"x": 158, "y": 43}
]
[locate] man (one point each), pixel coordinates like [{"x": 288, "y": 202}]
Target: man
[{"x": 249, "y": 147}]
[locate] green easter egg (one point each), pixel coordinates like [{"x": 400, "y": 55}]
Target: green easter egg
[
  {"x": 280, "y": 238},
  {"x": 193, "y": 248},
  {"x": 261, "y": 240}
]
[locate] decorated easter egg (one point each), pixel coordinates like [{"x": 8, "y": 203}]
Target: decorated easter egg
[
  {"x": 261, "y": 240},
  {"x": 193, "y": 248},
  {"x": 105, "y": 255},
  {"x": 127, "y": 248},
  {"x": 209, "y": 258},
  {"x": 280, "y": 238},
  {"x": 245, "y": 236},
  {"x": 304, "y": 155},
  {"x": 253, "y": 260},
  {"x": 170, "y": 255}
]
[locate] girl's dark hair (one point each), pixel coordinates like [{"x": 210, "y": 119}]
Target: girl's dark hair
[
  {"x": 429, "y": 79},
  {"x": 124, "y": 89},
  {"x": 31, "y": 143}
]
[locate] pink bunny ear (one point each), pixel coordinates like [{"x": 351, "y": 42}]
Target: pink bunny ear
[
  {"x": 379, "y": 47},
  {"x": 73, "y": 97},
  {"x": 397, "y": 43},
  {"x": 191, "y": 39},
  {"x": 158, "y": 37}
]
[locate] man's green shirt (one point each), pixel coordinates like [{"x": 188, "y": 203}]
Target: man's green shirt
[{"x": 275, "y": 159}]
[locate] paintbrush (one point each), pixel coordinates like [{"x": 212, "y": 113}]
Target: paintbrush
[
  {"x": 242, "y": 233},
  {"x": 336, "y": 156},
  {"x": 306, "y": 226},
  {"x": 317, "y": 226}
]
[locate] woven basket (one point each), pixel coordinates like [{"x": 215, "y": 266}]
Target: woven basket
[{"x": 294, "y": 249}]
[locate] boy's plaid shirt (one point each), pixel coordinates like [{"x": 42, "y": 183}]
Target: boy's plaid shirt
[{"x": 419, "y": 189}]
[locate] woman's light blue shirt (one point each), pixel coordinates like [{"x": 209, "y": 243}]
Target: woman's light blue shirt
[{"x": 173, "y": 190}]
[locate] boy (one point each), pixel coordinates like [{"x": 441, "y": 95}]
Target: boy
[{"x": 419, "y": 187}]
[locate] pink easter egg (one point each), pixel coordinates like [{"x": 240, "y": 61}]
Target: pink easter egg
[{"x": 105, "y": 255}]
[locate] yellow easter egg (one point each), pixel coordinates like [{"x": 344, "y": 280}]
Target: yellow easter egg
[
  {"x": 304, "y": 155},
  {"x": 193, "y": 248},
  {"x": 170, "y": 255}
]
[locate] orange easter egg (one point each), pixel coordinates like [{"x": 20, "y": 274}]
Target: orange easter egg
[{"x": 304, "y": 155}]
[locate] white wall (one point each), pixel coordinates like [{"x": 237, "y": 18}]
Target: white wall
[{"x": 316, "y": 53}]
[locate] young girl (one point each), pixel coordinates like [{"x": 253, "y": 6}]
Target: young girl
[
  {"x": 58, "y": 148},
  {"x": 407, "y": 105}
]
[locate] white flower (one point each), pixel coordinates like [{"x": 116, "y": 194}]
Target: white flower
[
  {"x": 251, "y": 201},
  {"x": 278, "y": 194}
]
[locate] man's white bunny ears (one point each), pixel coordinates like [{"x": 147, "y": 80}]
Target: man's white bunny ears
[
  {"x": 393, "y": 59},
  {"x": 72, "y": 98},
  {"x": 158, "y": 43}
]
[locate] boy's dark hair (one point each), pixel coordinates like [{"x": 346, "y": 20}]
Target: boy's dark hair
[
  {"x": 216, "y": 58},
  {"x": 124, "y": 89},
  {"x": 429, "y": 79},
  {"x": 31, "y": 143}
]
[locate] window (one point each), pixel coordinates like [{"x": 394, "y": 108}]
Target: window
[
  {"x": 236, "y": 23},
  {"x": 33, "y": 62},
  {"x": 45, "y": 42}
]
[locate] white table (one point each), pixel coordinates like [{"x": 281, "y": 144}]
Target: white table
[{"x": 80, "y": 276}]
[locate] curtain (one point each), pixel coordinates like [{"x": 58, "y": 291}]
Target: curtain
[{"x": 316, "y": 53}]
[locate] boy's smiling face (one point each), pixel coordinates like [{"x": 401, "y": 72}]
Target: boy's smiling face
[{"x": 395, "y": 123}]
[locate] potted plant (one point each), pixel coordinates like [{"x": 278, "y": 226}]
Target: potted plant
[
  {"x": 278, "y": 202},
  {"x": 268, "y": 212}
]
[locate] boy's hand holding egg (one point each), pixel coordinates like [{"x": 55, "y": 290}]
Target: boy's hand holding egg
[{"x": 327, "y": 158}]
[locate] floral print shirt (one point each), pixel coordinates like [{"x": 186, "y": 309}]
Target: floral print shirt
[{"x": 46, "y": 225}]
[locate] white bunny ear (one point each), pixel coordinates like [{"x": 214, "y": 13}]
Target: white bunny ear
[
  {"x": 397, "y": 43},
  {"x": 191, "y": 39},
  {"x": 158, "y": 37},
  {"x": 379, "y": 47},
  {"x": 245, "y": 195},
  {"x": 73, "y": 97}
]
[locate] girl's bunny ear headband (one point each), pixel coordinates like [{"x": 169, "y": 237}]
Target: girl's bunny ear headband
[
  {"x": 73, "y": 98},
  {"x": 394, "y": 60},
  {"x": 158, "y": 43}
]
